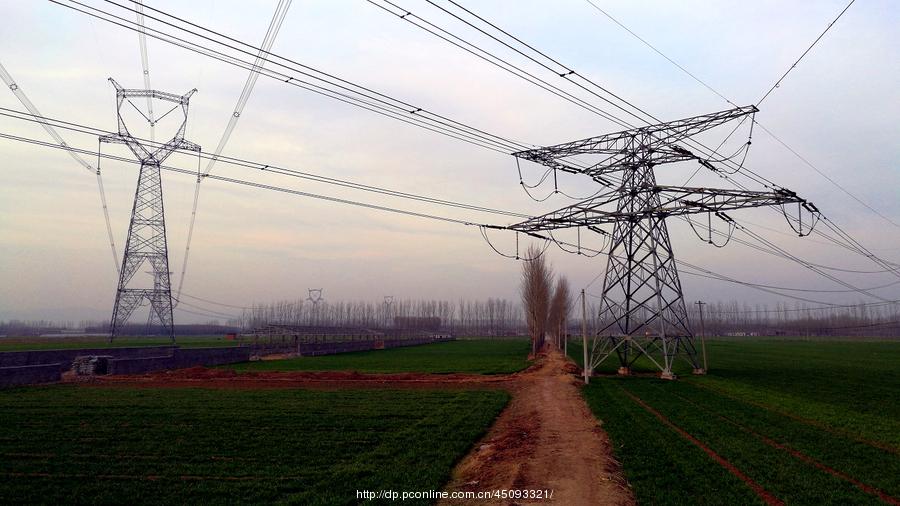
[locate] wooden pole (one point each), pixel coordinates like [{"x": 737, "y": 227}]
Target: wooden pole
[{"x": 585, "y": 366}]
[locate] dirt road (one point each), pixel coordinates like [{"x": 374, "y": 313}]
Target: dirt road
[{"x": 545, "y": 439}]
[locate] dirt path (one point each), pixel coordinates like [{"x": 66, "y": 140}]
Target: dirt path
[{"x": 545, "y": 439}]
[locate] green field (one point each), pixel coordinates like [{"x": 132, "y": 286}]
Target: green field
[
  {"x": 67, "y": 444},
  {"x": 809, "y": 422},
  {"x": 475, "y": 356},
  {"x": 60, "y": 343}
]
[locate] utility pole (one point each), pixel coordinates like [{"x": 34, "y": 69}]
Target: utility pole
[
  {"x": 585, "y": 367},
  {"x": 700, "y": 304},
  {"x": 146, "y": 239}
]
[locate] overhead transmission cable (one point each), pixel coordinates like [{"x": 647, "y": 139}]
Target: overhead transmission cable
[
  {"x": 145, "y": 64},
  {"x": 51, "y": 131},
  {"x": 94, "y": 132},
  {"x": 792, "y": 67},
  {"x": 269, "y": 39},
  {"x": 362, "y": 204},
  {"x": 347, "y": 92},
  {"x": 651, "y": 46},
  {"x": 756, "y": 177},
  {"x": 311, "y": 79},
  {"x": 569, "y": 72},
  {"x": 762, "y": 126},
  {"x": 275, "y": 169}
]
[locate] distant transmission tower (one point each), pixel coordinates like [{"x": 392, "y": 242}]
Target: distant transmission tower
[
  {"x": 147, "y": 230},
  {"x": 315, "y": 296},
  {"x": 388, "y": 305},
  {"x": 642, "y": 310}
]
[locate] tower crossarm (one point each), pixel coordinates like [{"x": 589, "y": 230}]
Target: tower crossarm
[
  {"x": 673, "y": 201},
  {"x": 659, "y": 142}
]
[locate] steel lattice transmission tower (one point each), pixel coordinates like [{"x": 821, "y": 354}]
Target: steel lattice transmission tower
[
  {"x": 642, "y": 309},
  {"x": 146, "y": 240}
]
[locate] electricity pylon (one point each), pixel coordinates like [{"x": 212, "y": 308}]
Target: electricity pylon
[
  {"x": 642, "y": 310},
  {"x": 147, "y": 230}
]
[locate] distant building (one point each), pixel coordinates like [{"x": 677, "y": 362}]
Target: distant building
[{"x": 417, "y": 322}]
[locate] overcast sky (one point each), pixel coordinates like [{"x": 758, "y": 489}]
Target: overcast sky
[{"x": 839, "y": 108}]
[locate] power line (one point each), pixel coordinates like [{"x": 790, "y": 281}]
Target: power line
[
  {"x": 377, "y": 102},
  {"x": 275, "y": 169},
  {"x": 328, "y": 85},
  {"x": 802, "y": 309},
  {"x": 827, "y": 177},
  {"x": 208, "y": 301},
  {"x": 651, "y": 46},
  {"x": 82, "y": 4},
  {"x": 145, "y": 64},
  {"x": 264, "y": 186},
  {"x": 767, "y": 130},
  {"x": 33, "y": 110},
  {"x": 792, "y": 67},
  {"x": 361, "y": 204},
  {"x": 269, "y": 39}
]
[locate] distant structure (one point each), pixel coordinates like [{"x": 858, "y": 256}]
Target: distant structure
[
  {"x": 425, "y": 323},
  {"x": 315, "y": 296},
  {"x": 642, "y": 309},
  {"x": 146, "y": 240}
]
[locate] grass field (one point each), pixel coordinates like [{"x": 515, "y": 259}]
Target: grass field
[
  {"x": 808, "y": 422},
  {"x": 65, "y": 444},
  {"x": 476, "y": 356},
  {"x": 60, "y": 343}
]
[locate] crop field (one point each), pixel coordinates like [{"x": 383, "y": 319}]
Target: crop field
[
  {"x": 59, "y": 343},
  {"x": 474, "y": 356},
  {"x": 798, "y": 422},
  {"x": 65, "y": 444}
]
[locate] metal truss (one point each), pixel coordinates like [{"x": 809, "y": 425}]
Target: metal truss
[
  {"x": 642, "y": 309},
  {"x": 146, "y": 240},
  {"x": 653, "y": 144}
]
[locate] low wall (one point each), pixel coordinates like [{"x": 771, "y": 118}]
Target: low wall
[
  {"x": 317, "y": 349},
  {"x": 29, "y": 375},
  {"x": 64, "y": 357},
  {"x": 210, "y": 356},
  {"x": 180, "y": 359},
  {"x": 45, "y": 366}
]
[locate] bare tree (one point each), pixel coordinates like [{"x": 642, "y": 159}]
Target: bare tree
[
  {"x": 560, "y": 306},
  {"x": 536, "y": 279}
]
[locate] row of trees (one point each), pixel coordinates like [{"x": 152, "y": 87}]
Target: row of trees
[
  {"x": 543, "y": 314},
  {"x": 546, "y": 307},
  {"x": 799, "y": 319},
  {"x": 491, "y": 317}
]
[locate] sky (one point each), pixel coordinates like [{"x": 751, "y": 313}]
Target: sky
[{"x": 839, "y": 108}]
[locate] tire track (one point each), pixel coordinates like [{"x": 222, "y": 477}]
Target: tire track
[
  {"x": 881, "y": 494},
  {"x": 806, "y": 421},
  {"x": 763, "y": 494}
]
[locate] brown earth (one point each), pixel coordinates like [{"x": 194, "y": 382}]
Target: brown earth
[{"x": 546, "y": 438}]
